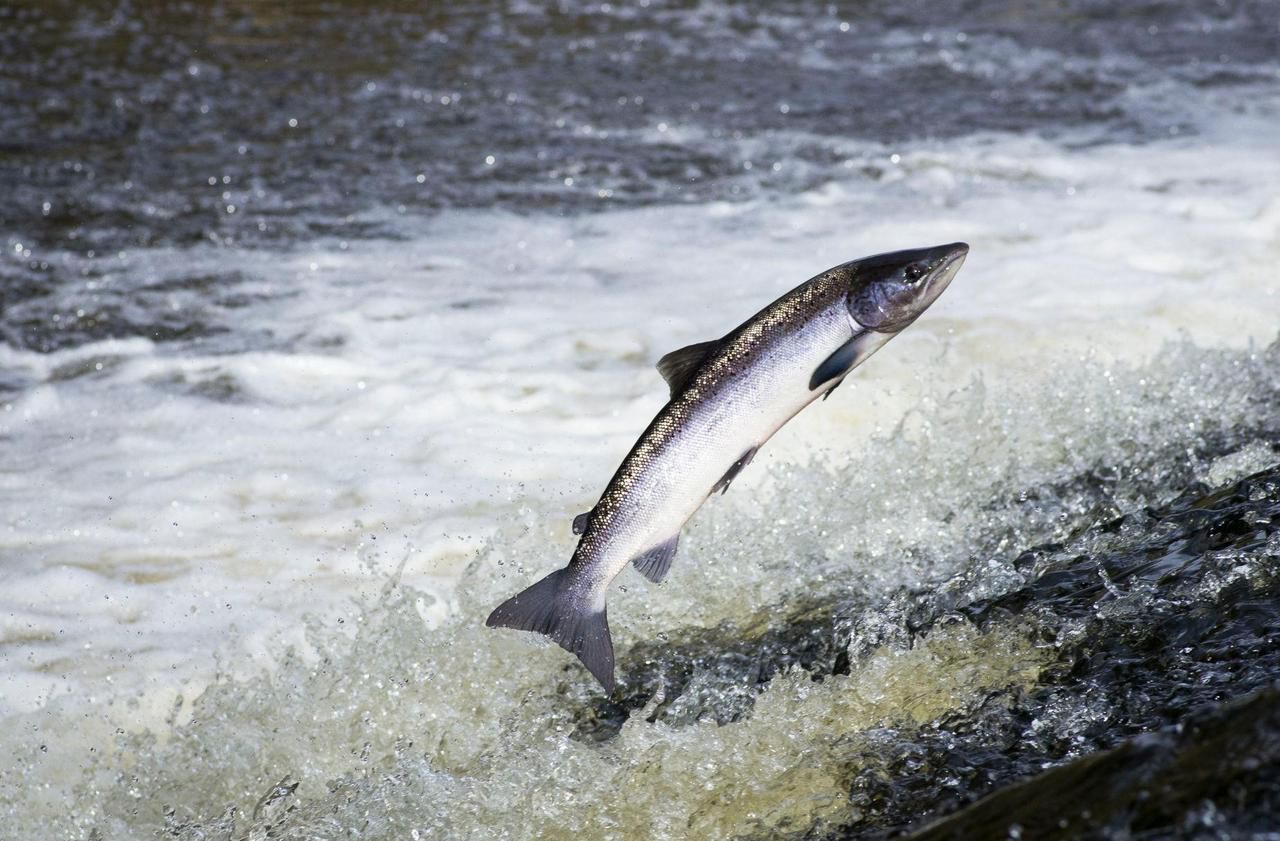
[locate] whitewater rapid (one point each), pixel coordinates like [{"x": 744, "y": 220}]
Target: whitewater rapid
[{"x": 253, "y": 541}]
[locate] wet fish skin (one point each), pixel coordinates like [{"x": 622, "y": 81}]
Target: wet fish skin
[{"x": 728, "y": 397}]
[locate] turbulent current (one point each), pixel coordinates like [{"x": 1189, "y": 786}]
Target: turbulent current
[{"x": 319, "y": 322}]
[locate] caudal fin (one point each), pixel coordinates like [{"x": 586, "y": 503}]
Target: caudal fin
[{"x": 547, "y": 608}]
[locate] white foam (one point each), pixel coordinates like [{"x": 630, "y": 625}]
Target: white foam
[{"x": 473, "y": 386}]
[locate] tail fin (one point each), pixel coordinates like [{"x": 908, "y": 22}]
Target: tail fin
[{"x": 548, "y": 608}]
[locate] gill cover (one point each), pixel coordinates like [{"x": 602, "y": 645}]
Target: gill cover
[{"x": 889, "y": 291}]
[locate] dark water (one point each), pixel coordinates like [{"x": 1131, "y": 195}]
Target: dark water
[{"x": 146, "y": 124}]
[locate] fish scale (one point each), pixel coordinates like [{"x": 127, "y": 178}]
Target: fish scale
[
  {"x": 735, "y": 404},
  {"x": 728, "y": 397}
]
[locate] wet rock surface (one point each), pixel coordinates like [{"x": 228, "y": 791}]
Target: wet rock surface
[
  {"x": 1154, "y": 625},
  {"x": 1214, "y": 775},
  {"x": 1154, "y": 619}
]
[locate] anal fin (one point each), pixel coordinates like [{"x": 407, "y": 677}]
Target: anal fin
[
  {"x": 734, "y": 470},
  {"x": 655, "y": 563}
]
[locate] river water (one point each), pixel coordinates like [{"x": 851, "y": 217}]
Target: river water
[{"x": 319, "y": 322}]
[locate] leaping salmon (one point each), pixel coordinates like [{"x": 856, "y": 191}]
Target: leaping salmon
[{"x": 728, "y": 396}]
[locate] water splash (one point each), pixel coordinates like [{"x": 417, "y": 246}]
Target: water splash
[{"x": 396, "y": 726}]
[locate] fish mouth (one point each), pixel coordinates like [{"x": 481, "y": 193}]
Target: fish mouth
[
  {"x": 945, "y": 260},
  {"x": 889, "y": 291},
  {"x": 950, "y": 259}
]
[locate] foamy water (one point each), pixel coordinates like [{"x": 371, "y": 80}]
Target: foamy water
[{"x": 265, "y": 557}]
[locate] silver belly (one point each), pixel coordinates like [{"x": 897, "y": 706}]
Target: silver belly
[{"x": 740, "y": 414}]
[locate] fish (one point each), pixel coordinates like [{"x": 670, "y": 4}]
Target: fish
[{"x": 728, "y": 396}]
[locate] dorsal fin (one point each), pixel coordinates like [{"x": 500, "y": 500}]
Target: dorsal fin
[{"x": 679, "y": 366}]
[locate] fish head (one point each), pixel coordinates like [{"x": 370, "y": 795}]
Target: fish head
[{"x": 889, "y": 291}]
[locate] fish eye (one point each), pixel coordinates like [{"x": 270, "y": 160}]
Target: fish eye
[{"x": 913, "y": 272}]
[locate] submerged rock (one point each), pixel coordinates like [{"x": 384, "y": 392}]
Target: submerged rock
[
  {"x": 1152, "y": 619},
  {"x": 1216, "y": 773},
  {"x": 1148, "y": 625}
]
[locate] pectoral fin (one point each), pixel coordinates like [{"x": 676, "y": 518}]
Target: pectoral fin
[
  {"x": 679, "y": 367},
  {"x": 655, "y": 563},
  {"x": 845, "y": 358}
]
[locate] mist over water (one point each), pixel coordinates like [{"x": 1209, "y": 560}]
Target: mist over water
[{"x": 319, "y": 324}]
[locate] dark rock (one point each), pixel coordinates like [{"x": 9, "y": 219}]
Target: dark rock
[{"x": 1215, "y": 773}]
